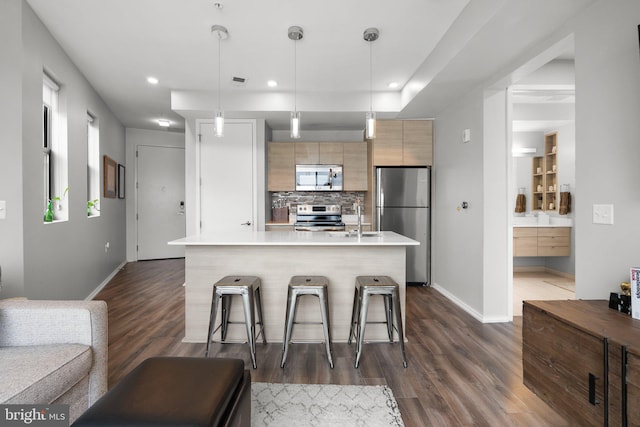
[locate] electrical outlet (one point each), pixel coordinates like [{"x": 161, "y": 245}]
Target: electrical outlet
[
  {"x": 106, "y": 247},
  {"x": 603, "y": 214}
]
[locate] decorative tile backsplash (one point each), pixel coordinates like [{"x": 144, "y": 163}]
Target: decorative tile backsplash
[{"x": 291, "y": 199}]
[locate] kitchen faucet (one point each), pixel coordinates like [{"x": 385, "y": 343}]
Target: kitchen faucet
[{"x": 359, "y": 214}]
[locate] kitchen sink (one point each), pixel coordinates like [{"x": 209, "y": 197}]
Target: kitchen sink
[{"x": 353, "y": 234}]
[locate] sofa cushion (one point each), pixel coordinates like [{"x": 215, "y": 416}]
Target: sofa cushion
[{"x": 40, "y": 374}]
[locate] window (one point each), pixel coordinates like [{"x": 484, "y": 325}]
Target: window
[
  {"x": 54, "y": 150},
  {"x": 93, "y": 166}
]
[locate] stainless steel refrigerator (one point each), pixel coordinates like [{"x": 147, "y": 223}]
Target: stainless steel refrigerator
[{"x": 403, "y": 198}]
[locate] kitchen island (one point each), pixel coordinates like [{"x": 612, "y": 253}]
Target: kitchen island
[{"x": 276, "y": 256}]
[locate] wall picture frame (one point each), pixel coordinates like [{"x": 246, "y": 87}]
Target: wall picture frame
[
  {"x": 121, "y": 181},
  {"x": 109, "y": 177}
]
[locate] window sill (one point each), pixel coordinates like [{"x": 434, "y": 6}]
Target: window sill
[{"x": 55, "y": 221}]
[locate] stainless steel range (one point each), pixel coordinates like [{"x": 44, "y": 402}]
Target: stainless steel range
[{"x": 319, "y": 218}]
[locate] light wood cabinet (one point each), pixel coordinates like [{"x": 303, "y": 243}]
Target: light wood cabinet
[
  {"x": 281, "y": 167},
  {"x": 525, "y": 241},
  {"x": 581, "y": 358},
  {"x": 403, "y": 143},
  {"x": 544, "y": 181},
  {"x": 355, "y": 166},
  {"x": 417, "y": 142},
  {"x": 307, "y": 153},
  {"x": 318, "y": 153},
  {"x": 554, "y": 241},
  {"x": 330, "y": 153},
  {"x": 284, "y": 156},
  {"x": 541, "y": 241},
  {"x": 387, "y": 145}
]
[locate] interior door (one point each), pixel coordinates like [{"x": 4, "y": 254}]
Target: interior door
[
  {"x": 227, "y": 191},
  {"x": 160, "y": 210}
]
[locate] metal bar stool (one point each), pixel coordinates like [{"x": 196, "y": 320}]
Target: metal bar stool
[
  {"x": 366, "y": 286},
  {"x": 249, "y": 288},
  {"x": 307, "y": 285}
]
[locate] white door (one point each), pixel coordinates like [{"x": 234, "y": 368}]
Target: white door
[
  {"x": 227, "y": 191},
  {"x": 160, "y": 209}
]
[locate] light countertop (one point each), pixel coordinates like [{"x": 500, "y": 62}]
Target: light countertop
[
  {"x": 292, "y": 238},
  {"x": 542, "y": 221}
]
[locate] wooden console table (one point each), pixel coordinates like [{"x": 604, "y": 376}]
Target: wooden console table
[{"x": 583, "y": 359}]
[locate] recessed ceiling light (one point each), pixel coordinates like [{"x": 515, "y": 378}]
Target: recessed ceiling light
[
  {"x": 164, "y": 123},
  {"x": 272, "y": 83},
  {"x": 393, "y": 85},
  {"x": 152, "y": 80}
]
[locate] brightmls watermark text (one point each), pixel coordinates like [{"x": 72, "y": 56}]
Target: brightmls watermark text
[{"x": 34, "y": 415}]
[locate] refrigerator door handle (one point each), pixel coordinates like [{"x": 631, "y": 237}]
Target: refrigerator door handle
[{"x": 379, "y": 217}]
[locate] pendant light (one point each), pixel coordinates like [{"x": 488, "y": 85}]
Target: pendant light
[
  {"x": 295, "y": 33},
  {"x": 370, "y": 35},
  {"x": 222, "y": 34}
]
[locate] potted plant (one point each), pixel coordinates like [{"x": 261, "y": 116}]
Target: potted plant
[
  {"x": 48, "y": 214},
  {"x": 92, "y": 204}
]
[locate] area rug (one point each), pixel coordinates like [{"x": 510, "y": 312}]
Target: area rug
[{"x": 323, "y": 405}]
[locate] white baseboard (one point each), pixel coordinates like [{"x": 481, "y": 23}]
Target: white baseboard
[
  {"x": 457, "y": 301},
  {"x": 466, "y": 307},
  {"x": 95, "y": 292}
]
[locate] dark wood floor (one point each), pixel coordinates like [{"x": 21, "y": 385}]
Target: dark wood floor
[{"x": 461, "y": 372}]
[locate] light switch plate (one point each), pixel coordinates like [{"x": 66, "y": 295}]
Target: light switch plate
[
  {"x": 3, "y": 209},
  {"x": 603, "y": 214},
  {"x": 466, "y": 135}
]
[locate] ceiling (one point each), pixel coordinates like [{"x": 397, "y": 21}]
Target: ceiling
[{"x": 436, "y": 50}]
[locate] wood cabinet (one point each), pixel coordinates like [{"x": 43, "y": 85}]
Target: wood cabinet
[
  {"x": 581, "y": 358},
  {"x": 417, "y": 142},
  {"x": 306, "y": 153},
  {"x": 632, "y": 402},
  {"x": 541, "y": 241},
  {"x": 330, "y": 153},
  {"x": 554, "y": 241},
  {"x": 318, "y": 153},
  {"x": 525, "y": 241},
  {"x": 284, "y": 156},
  {"x": 354, "y": 168},
  {"x": 387, "y": 145},
  {"x": 281, "y": 167},
  {"x": 544, "y": 181},
  {"x": 403, "y": 143}
]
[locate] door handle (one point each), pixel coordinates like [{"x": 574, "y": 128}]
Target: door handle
[{"x": 246, "y": 223}]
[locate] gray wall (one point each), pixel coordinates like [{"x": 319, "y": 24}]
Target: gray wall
[
  {"x": 458, "y": 176},
  {"x": 65, "y": 260},
  {"x": 11, "y": 244},
  {"x": 607, "y": 147}
]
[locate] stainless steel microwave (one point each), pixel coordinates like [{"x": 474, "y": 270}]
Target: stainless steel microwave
[{"x": 318, "y": 177}]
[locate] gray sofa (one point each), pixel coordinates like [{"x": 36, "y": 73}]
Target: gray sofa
[{"x": 53, "y": 352}]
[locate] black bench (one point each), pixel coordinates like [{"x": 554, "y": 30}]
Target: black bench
[{"x": 177, "y": 391}]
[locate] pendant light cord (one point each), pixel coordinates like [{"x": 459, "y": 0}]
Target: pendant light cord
[
  {"x": 295, "y": 76},
  {"x": 371, "y": 76},
  {"x": 219, "y": 67}
]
